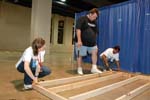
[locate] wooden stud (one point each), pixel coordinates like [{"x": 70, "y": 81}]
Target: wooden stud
[
  {"x": 144, "y": 77},
  {"x": 67, "y": 80},
  {"x": 47, "y": 93},
  {"x": 72, "y": 79}
]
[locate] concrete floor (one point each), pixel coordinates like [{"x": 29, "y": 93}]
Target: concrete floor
[{"x": 11, "y": 81}]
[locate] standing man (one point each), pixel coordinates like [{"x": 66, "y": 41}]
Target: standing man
[
  {"x": 110, "y": 57},
  {"x": 86, "y": 32}
]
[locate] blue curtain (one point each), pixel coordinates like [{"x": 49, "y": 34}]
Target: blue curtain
[{"x": 128, "y": 25}]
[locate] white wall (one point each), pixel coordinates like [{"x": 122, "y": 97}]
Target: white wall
[{"x": 14, "y": 26}]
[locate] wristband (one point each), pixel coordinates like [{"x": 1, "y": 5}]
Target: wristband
[{"x": 36, "y": 75}]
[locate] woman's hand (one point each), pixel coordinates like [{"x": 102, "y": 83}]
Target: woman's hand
[{"x": 35, "y": 81}]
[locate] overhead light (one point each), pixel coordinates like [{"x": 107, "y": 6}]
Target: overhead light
[
  {"x": 63, "y": 0},
  {"x": 62, "y": 3}
]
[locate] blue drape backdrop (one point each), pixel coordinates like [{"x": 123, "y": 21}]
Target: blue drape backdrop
[{"x": 128, "y": 25}]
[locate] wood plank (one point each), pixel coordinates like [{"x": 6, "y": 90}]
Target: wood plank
[
  {"x": 83, "y": 83},
  {"x": 47, "y": 93},
  {"x": 135, "y": 92},
  {"x": 72, "y": 79},
  {"x": 102, "y": 90},
  {"x": 144, "y": 77}
]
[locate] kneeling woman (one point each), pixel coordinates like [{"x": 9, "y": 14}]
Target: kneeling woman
[{"x": 30, "y": 63}]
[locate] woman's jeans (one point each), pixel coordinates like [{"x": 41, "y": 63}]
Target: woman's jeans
[{"x": 27, "y": 80}]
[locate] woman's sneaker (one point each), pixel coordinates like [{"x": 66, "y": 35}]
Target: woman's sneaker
[{"x": 28, "y": 87}]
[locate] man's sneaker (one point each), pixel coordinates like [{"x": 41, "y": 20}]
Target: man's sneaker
[
  {"x": 95, "y": 70},
  {"x": 104, "y": 70},
  {"x": 79, "y": 71},
  {"x": 110, "y": 69},
  {"x": 28, "y": 87}
]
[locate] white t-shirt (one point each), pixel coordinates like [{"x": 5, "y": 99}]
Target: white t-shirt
[
  {"x": 28, "y": 55},
  {"x": 109, "y": 55}
]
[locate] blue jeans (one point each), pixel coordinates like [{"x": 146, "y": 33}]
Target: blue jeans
[
  {"x": 27, "y": 79},
  {"x": 112, "y": 65}
]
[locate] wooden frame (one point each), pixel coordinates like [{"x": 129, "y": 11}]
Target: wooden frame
[{"x": 51, "y": 88}]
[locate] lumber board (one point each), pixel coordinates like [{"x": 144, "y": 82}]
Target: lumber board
[
  {"x": 83, "y": 83},
  {"x": 47, "y": 93},
  {"x": 72, "y": 79},
  {"x": 134, "y": 92},
  {"x": 102, "y": 90},
  {"x": 144, "y": 77}
]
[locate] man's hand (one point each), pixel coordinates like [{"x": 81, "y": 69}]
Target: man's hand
[
  {"x": 119, "y": 69},
  {"x": 107, "y": 65},
  {"x": 118, "y": 65},
  {"x": 79, "y": 44}
]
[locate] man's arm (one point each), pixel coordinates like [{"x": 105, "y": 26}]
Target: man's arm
[
  {"x": 79, "y": 38},
  {"x": 105, "y": 60},
  {"x": 118, "y": 65}
]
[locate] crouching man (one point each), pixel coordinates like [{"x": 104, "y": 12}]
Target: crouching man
[{"x": 110, "y": 57}]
